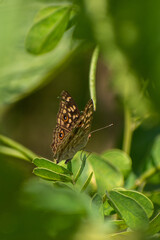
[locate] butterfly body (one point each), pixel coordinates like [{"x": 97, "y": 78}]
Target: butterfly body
[{"x": 72, "y": 129}]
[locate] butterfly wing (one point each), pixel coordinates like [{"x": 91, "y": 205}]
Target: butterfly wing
[
  {"x": 67, "y": 117},
  {"x": 77, "y": 138},
  {"x": 68, "y": 113}
]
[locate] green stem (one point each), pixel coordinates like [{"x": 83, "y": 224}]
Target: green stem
[
  {"x": 145, "y": 176},
  {"x": 128, "y": 131},
  {"x": 92, "y": 75}
]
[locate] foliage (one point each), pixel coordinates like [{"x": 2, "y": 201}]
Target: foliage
[{"x": 112, "y": 195}]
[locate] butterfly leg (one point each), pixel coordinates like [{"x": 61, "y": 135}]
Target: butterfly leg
[{"x": 68, "y": 160}]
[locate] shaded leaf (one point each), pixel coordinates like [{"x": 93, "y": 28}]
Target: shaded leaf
[
  {"x": 120, "y": 225},
  {"x": 97, "y": 201},
  {"x": 119, "y": 159},
  {"x": 154, "y": 225},
  {"x": 155, "y": 152},
  {"x": 28, "y": 154},
  {"x": 50, "y": 175},
  {"x": 87, "y": 182},
  {"x": 42, "y": 195},
  {"x": 80, "y": 170},
  {"x": 48, "y": 29},
  {"x": 155, "y": 197},
  {"x": 27, "y": 72},
  {"x": 108, "y": 210},
  {"x": 12, "y": 153},
  {"x": 107, "y": 176}
]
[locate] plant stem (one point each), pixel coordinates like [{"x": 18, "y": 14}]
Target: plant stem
[
  {"x": 128, "y": 131},
  {"x": 92, "y": 75},
  {"x": 145, "y": 176}
]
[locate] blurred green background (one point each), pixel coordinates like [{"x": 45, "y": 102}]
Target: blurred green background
[{"x": 127, "y": 75}]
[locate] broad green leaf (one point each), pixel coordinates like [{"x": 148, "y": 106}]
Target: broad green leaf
[
  {"x": 119, "y": 159},
  {"x": 42, "y": 195},
  {"x": 22, "y": 75},
  {"x": 50, "y": 175},
  {"x": 12, "y": 153},
  {"x": 77, "y": 167},
  {"x": 97, "y": 202},
  {"x": 8, "y": 142},
  {"x": 45, "y": 163},
  {"x": 107, "y": 176},
  {"x": 141, "y": 199},
  {"x": 154, "y": 225},
  {"x": 48, "y": 29},
  {"x": 129, "y": 209}
]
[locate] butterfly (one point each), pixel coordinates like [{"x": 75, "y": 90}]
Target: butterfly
[{"x": 72, "y": 128}]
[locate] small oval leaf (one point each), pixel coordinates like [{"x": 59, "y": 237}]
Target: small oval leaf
[
  {"x": 107, "y": 176},
  {"x": 48, "y": 29},
  {"x": 50, "y": 175},
  {"x": 45, "y": 163},
  {"x": 129, "y": 209},
  {"x": 145, "y": 202},
  {"x": 119, "y": 159}
]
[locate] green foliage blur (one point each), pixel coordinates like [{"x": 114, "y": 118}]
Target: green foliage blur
[{"x": 107, "y": 50}]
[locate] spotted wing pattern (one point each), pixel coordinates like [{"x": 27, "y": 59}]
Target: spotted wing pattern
[{"x": 72, "y": 128}]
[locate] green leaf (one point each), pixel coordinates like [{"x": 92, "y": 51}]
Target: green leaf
[
  {"x": 80, "y": 170},
  {"x": 50, "y": 175},
  {"x": 155, "y": 152},
  {"x": 120, "y": 225},
  {"x": 141, "y": 199},
  {"x": 97, "y": 202},
  {"x": 155, "y": 197},
  {"x": 48, "y": 29},
  {"x": 12, "y": 153},
  {"x": 129, "y": 209},
  {"x": 107, "y": 176},
  {"x": 108, "y": 210},
  {"x": 45, "y": 163},
  {"x": 154, "y": 225},
  {"x": 87, "y": 182},
  {"x": 43, "y": 196},
  {"x": 27, "y": 154},
  {"x": 119, "y": 159},
  {"x": 27, "y": 72},
  {"x": 124, "y": 236}
]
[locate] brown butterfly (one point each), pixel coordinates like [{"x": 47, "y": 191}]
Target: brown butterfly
[{"x": 72, "y": 128}]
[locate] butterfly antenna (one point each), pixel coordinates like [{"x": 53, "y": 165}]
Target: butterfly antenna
[{"x": 99, "y": 129}]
